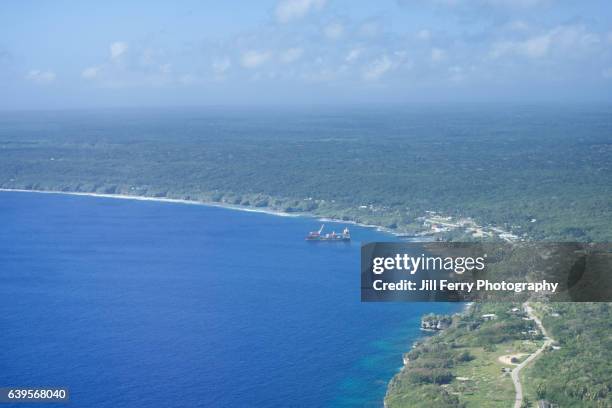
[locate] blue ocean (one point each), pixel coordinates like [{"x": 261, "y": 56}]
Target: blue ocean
[{"x": 150, "y": 304}]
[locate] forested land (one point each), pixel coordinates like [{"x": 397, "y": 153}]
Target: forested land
[
  {"x": 544, "y": 171},
  {"x": 541, "y": 171}
]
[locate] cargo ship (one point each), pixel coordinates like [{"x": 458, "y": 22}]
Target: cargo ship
[{"x": 345, "y": 236}]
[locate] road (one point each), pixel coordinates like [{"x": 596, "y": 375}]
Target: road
[{"x": 518, "y": 400}]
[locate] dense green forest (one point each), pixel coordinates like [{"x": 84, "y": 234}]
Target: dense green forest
[
  {"x": 579, "y": 374},
  {"x": 540, "y": 171},
  {"x": 544, "y": 171}
]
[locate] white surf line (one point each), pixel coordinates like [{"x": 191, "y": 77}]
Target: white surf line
[
  {"x": 379, "y": 228},
  {"x": 154, "y": 199},
  {"x": 518, "y": 399}
]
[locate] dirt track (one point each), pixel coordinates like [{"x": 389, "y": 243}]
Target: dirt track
[{"x": 518, "y": 400}]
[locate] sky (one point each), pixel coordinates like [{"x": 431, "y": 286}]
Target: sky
[{"x": 75, "y": 54}]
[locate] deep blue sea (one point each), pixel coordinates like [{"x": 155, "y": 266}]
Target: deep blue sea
[{"x": 148, "y": 304}]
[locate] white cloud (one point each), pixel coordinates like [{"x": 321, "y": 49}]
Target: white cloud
[
  {"x": 289, "y": 52},
  {"x": 291, "y": 55},
  {"x": 574, "y": 37},
  {"x": 253, "y": 59},
  {"x": 41, "y": 77},
  {"x": 437, "y": 54},
  {"x": 536, "y": 47},
  {"x": 117, "y": 49},
  {"x": 567, "y": 40},
  {"x": 144, "y": 68},
  {"x": 334, "y": 31},
  {"x": 90, "y": 72},
  {"x": 424, "y": 35},
  {"x": 221, "y": 65},
  {"x": 353, "y": 55},
  {"x": 377, "y": 68},
  {"x": 288, "y": 10}
]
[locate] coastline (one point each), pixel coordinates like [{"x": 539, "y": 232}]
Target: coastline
[
  {"x": 425, "y": 335},
  {"x": 155, "y": 199},
  {"x": 262, "y": 210},
  {"x": 132, "y": 246},
  {"x": 464, "y": 309}
]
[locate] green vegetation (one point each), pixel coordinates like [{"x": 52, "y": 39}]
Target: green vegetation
[
  {"x": 579, "y": 373},
  {"x": 541, "y": 171},
  {"x": 465, "y": 364},
  {"x": 462, "y": 363},
  {"x": 537, "y": 171}
]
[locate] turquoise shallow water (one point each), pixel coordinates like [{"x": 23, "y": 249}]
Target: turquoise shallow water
[{"x": 140, "y": 304}]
